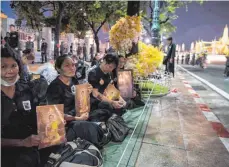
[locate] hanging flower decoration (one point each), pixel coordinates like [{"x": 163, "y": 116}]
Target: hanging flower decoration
[
  {"x": 124, "y": 32},
  {"x": 148, "y": 59}
]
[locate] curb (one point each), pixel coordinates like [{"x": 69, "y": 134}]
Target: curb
[
  {"x": 217, "y": 126},
  {"x": 213, "y": 87}
]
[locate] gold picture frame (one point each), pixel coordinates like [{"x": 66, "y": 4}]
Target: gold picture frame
[
  {"x": 83, "y": 97},
  {"x": 111, "y": 92},
  {"x": 50, "y": 125},
  {"x": 125, "y": 83}
]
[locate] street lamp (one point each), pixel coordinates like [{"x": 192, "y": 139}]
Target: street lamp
[{"x": 156, "y": 26}]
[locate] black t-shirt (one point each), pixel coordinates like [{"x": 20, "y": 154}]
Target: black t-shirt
[
  {"x": 60, "y": 93},
  {"x": 98, "y": 79},
  {"x": 14, "y": 39},
  {"x": 18, "y": 115}
]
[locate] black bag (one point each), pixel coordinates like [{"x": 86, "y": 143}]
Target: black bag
[
  {"x": 79, "y": 152},
  {"x": 118, "y": 128},
  {"x": 104, "y": 133}
]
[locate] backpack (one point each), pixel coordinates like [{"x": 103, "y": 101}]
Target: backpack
[
  {"x": 118, "y": 128},
  {"x": 77, "y": 153}
]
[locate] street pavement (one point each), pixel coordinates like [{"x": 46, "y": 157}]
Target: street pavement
[
  {"x": 212, "y": 74},
  {"x": 183, "y": 132}
]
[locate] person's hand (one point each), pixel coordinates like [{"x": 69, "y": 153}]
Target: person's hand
[
  {"x": 84, "y": 116},
  {"x": 90, "y": 88},
  {"x": 116, "y": 104},
  {"x": 171, "y": 60},
  {"x": 31, "y": 141},
  {"x": 122, "y": 103},
  {"x": 78, "y": 103},
  {"x": 95, "y": 92},
  {"x": 134, "y": 94}
]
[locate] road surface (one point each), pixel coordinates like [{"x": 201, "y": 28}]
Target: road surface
[{"x": 213, "y": 74}]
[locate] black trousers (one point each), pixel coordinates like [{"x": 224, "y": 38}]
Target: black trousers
[
  {"x": 26, "y": 157},
  {"x": 89, "y": 131},
  {"x": 170, "y": 67},
  {"x": 44, "y": 57}
]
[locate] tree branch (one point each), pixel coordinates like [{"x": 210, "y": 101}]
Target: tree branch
[
  {"x": 165, "y": 21},
  {"x": 104, "y": 21},
  {"x": 147, "y": 30},
  {"x": 146, "y": 18}
]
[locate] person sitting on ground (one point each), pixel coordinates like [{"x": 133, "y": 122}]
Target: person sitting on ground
[
  {"x": 62, "y": 91},
  {"x": 95, "y": 61},
  {"x": 81, "y": 68},
  {"x": 100, "y": 78},
  {"x": 136, "y": 100},
  {"x": 19, "y": 139}
]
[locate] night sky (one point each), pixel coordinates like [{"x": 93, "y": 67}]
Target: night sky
[{"x": 204, "y": 21}]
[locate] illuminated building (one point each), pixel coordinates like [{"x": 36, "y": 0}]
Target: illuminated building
[{"x": 220, "y": 47}]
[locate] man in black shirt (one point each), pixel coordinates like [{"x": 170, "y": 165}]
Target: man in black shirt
[
  {"x": 99, "y": 78},
  {"x": 169, "y": 61},
  {"x": 44, "y": 47},
  {"x": 14, "y": 38}
]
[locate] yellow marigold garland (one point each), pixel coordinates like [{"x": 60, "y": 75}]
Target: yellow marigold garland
[
  {"x": 124, "y": 32},
  {"x": 146, "y": 61}
]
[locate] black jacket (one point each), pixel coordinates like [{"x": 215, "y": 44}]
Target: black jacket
[{"x": 18, "y": 115}]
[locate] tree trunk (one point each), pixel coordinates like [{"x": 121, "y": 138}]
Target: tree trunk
[
  {"x": 57, "y": 28},
  {"x": 133, "y": 8},
  {"x": 96, "y": 38}
]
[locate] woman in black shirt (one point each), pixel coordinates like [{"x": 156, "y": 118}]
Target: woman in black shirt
[
  {"x": 62, "y": 91},
  {"x": 19, "y": 138}
]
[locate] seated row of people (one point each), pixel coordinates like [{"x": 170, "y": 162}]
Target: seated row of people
[{"x": 19, "y": 138}]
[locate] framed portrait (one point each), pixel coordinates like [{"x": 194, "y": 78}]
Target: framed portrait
[
  {"x": 83, "y": 97},
  {"x": 50, "y": 125},
  {"x": 111, "y": 92},
  {"x": 35, "y": 76},
  {"x": 125, "y": 83}
]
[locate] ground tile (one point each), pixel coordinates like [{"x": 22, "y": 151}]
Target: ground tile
[
  {"x": 203, "y": 159},
  {"x": 204, "y": 143},
  {"x": 159, "y": 156},
  {"x": 162, "y": 137}
]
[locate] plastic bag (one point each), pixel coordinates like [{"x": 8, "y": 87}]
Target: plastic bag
[{"x": 48, "y": 71}]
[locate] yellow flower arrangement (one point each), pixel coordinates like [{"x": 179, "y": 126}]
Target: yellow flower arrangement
[
  {"x": 123, "y": 33},
  {"x": 148, "y": 59}
]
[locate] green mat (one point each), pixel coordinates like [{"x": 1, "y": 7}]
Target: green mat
[{"x": 112, "y": 152}]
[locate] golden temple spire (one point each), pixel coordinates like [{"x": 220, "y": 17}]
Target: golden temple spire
[{"x": 225, "y": 35}]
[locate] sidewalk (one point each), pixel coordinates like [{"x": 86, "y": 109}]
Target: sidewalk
[{"x": 179, "y": 135}]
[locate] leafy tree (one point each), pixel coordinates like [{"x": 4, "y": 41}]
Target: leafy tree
[
  {"x": 167, "y": 14},
  {"x": 34, "y": 14},
  {"x": 96, "y": 13}
]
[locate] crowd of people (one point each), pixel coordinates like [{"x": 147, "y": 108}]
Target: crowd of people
[{"x": 21, "y": 95}]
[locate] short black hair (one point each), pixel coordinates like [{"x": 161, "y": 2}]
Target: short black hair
[
  {"x": 169, "y": 38},
  {"x": 26, "y": 51},
  {"x": 12, "y": 25},
  {"x": 111, "y": 59},
  {"x": 6, "y": 53},
  {"x": 120, "y": 56},
  {"x": 60, "y": 60}
]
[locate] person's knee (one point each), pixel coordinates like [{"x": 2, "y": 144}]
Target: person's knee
[
  {"x": 28, "y": 159},
  {"x": 105, "y": 105}
]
